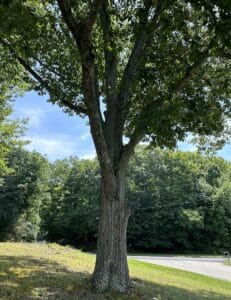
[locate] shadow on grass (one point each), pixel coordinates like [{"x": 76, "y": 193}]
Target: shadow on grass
[{"x": 29, "y": 278}]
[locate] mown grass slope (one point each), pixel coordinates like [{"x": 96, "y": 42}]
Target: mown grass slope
[{"x": 50, "y": 271}]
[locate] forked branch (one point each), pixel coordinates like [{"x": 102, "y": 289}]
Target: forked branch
[{"x": 138, "y": 48}]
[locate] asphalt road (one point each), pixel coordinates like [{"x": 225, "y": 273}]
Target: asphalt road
[{"x": 209, "y": 266}]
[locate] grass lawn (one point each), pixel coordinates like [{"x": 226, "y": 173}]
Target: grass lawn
[{"x": 50, "y": 271}]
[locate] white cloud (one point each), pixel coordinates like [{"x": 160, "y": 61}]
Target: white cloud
[
  {"x": 59, "y": 147},
  {"x": 85, "y": 136},
  {"x": 56, "y": 147},
  {"x": 88, "y": 156},
  {"x": 35, "y": 115},
  {"x": 184, "y": 146}
]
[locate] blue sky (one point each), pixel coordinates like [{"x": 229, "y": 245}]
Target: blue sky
[
  {"x": 57, "y": 135},
  {"x": 51, "y": 131}
]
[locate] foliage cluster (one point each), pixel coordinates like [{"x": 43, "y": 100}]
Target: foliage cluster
[
  {"x": 180, "y": 201},
  {"x": 10, "y": 130},
  {"x": 22, "y": 193}
]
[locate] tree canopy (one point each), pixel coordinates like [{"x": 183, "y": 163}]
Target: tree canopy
[
  {"x": 165, "y": 62},
  {"x": 153, "y": 69}
]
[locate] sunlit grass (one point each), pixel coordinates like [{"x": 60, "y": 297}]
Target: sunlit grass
[{"x": 50, "y": 271}]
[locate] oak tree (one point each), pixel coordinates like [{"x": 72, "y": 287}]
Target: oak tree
[{"x": 140, "y": 69}]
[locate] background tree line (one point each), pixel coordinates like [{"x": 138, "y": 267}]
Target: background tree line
[{"x": 181, "y": 202}]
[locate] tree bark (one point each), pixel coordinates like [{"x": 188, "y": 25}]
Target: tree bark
[{"x": 111, "y": 269}]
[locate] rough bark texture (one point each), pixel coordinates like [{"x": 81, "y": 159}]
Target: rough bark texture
[{"x": 111, "y": 269}]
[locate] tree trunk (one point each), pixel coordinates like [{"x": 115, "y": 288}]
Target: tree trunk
[{"x": 111, "y": 269}]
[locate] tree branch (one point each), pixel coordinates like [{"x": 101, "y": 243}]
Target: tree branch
[
  {"x": 93, "y": 13},
  {"x": 190, "y": 70},
  {"x": 146, "y": 27},
  {"x": 109, "y": 54},
  {"x": 50, "y": 69},
  {"x": 137, "y": 51},
  {"x": 69, "y": 18},
  {"x": 76, "y": 108},
  {"x": 81, "y": 32},
  {"x": 110, "y": 59},
  {"x": 128, "y": 149},
  {"x": 75, "y": 26}
]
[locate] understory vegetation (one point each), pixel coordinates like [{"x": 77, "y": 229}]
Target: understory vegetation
[
  {"x": 50, "y": 271},
  {"x": 181, "y": 202}
]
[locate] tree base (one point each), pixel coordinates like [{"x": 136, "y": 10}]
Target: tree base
[{"x": 102, "y": 283}]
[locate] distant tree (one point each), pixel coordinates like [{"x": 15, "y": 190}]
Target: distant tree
[
  {"x": 222, "y": 200},
  {"x": 10, "y": 133},
  {"x": 161, "y": 69},
  {"x": 11, "y": 84},
  {"x": 51, "y": 211},
  {"x": 174, "y": 202},
  {"x": 21, "y": 195},
  {"x": 165, "y": 194},
  {"x": 72, "y": 214},
  {"x": 180, "y": 202}
]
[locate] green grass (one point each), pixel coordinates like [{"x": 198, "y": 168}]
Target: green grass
[{"x": 50, "y": 271}]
